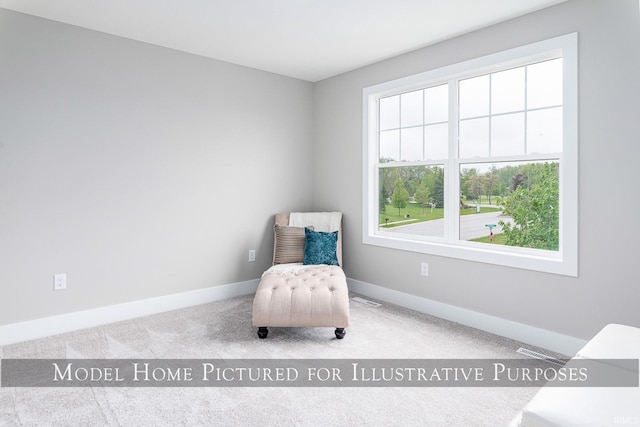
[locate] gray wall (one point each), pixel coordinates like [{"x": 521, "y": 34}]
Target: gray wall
[
  {"x": 607, "y": 288},
  {"x": 141, "y": 171},
  {"x": 137, "y": 170}
]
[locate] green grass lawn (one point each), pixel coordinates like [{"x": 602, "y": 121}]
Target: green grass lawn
[
  {"x": 484, "y": 200},
  {"x": 498, "y": 239},
  {"x": 417, "y": 213}
]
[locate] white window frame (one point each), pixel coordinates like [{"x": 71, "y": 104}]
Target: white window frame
[{"x": 565, "y": 260}]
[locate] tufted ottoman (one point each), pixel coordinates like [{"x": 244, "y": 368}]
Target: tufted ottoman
[{"x": 302, "y": 295}]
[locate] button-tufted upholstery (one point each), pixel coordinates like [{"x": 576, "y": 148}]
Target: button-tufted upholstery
[{"x": 313, "y": 296}]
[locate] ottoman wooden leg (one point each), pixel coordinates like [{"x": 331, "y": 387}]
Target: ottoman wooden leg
[
  {"x": 340, "y": 333},
  {"x": 263, "y": 331}
]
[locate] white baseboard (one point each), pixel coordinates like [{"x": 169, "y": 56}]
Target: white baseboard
[
  {"x": 542, "y": 338},
  {"x": 39, "y": 328}
]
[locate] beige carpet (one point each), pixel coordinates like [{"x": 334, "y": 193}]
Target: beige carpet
[{"x": 223, "y": 330}]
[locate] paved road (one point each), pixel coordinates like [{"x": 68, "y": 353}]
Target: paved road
[{"x": 471, "y": 226}]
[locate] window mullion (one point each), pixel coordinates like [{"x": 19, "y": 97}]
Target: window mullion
[
  {"x": 452, "y": 184},
  {"x": 490, "y": 116},
  {"x": 526, "y": 111},
  {"x": 400, "y": 128}
]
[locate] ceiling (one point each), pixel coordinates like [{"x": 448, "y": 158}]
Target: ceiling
[{"x": 306, "y": 39}]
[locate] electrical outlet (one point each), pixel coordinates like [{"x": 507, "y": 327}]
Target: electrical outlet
[
  {"x": 59, "y": 282},
  {"x": 252, "y": 255},
  {"x": 424, "y": 269}
]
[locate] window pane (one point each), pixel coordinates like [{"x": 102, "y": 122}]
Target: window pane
[
  {"x": 474, "y": 97},
  {"x": 507, "y": 134},
  {"x": 411, "y": 200},
  {"x": 507, "y": 91},
  {"x": 474, "y": 138},
  {"x": 390, "y": 145},
  {"x": 411, "y": 105},
  {"x": 480, "y": 213},
  {"x": 544, "y": 84},
  {"x": 436, "y": 141},
  {"x": 411, "y": 146},
  {"x": 513, "y": 204},
  {"x": 436, "y": 104},
  {"x": 390, "y": 112},
  {"x": 544, "y": 131}
]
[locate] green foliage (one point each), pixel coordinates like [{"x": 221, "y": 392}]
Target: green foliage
[
  {"x": 400, "y": 196},
  {"x": 477, "y": 184},
  {"x": 534, "y": 209},
  {"x": 423, "y": 193},
  {"x": 466, "y": 182},
  {"x": 438, "y": 187},
  {"x": 418, "y": 181},
  {"x": 382, "y": 201},
  {"x": 496, "y": 182},
  {"x": 490, "y": 183}
]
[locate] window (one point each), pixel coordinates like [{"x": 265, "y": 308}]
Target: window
[{"x": 478, "y": 160}]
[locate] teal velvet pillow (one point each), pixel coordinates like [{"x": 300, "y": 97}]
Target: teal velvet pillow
[{"x": 320, "y": 247}]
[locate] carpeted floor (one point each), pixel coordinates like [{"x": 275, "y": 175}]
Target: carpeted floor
[{"x": 223, "y": 330}]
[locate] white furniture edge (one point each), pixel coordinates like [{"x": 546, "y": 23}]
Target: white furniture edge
[
  {"x": 559, "y": 343},
  {"x": 44, "y": 327}
]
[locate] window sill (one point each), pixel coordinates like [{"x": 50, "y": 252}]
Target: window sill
[{"x": 536, "y": 260}]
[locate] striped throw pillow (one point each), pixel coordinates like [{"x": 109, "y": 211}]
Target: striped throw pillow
[{"x": 289, "y": 244}]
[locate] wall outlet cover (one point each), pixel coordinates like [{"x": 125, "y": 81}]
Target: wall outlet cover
[{"x": 59, "y": 281}]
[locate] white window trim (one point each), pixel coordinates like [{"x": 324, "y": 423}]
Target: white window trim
[{"x": 565, "y": 260}]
